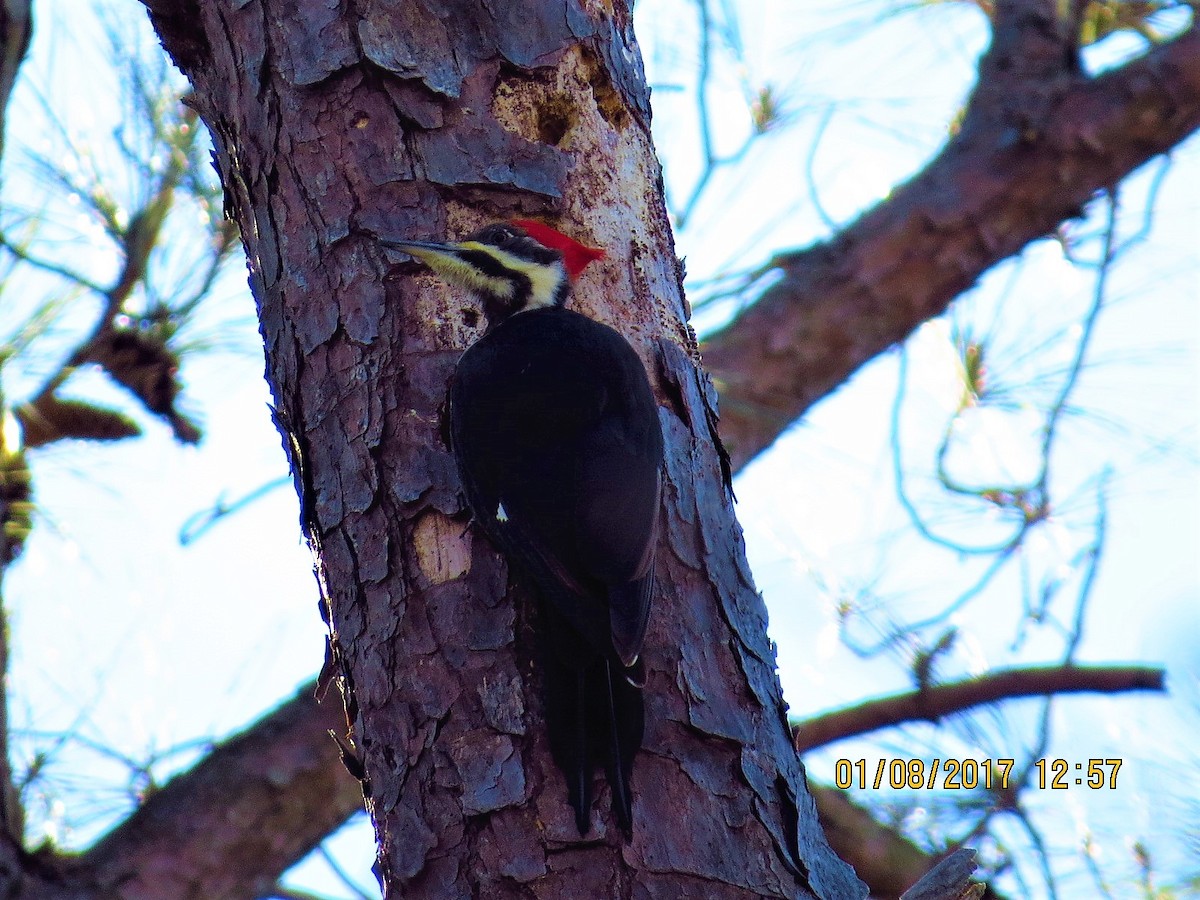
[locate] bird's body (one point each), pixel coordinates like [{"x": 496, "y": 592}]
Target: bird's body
[
  {"x": 558, "y": 448},
  {"x": 555, "y": 430}
]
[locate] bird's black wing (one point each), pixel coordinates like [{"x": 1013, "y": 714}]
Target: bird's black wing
[{"x": 559, "y": 448}]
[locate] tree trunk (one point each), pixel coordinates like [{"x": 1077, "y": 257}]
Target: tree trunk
[{"x": 421, "y": 120}]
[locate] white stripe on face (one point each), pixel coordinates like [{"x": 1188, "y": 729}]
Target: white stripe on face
[
  {"x": 457, "y": 271},
  {"x": 544, "y": 280}
]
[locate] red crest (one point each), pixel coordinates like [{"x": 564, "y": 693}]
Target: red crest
[{"x": 576, "y": 256}]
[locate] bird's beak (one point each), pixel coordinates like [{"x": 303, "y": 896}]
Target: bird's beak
[
  {"x": 429, "y": 252},
  {"x": 446, "y": 260},
  {"x": 443, "y": 259}
]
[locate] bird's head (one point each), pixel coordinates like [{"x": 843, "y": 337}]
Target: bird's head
[{"x": 510, "y": 266}]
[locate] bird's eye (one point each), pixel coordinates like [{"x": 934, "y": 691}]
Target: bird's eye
[{"x": 496, "y": 235}]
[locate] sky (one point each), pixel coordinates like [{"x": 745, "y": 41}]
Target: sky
[
  {"x": 126, "y": 640},
  {"x": 820, "y": 512}
]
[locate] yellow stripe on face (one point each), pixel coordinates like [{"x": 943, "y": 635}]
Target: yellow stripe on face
[
  {"x": 452, "y": 268},
  {"x": 543, "y": 279}
]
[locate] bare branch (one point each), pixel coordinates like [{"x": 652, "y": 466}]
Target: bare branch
[
  {"x": 251, "y": 809},
  {"x": 16, "y": 28},
  {"x": 763, "y": 111},
  {"x": 841, "y": 303},
  {"x": 948, "y": 880},
  {"x": 945, "y": 699}
]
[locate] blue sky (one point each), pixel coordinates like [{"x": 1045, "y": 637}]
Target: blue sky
[{"x": 134, "y": 643}]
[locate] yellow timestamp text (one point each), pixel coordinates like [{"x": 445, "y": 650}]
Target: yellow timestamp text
[
  {"x": 920, "y": 774},
  {"x": 970, "y": 774},
  {"x": 1060, "y": 774}
]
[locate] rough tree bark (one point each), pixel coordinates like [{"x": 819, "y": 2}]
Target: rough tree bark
[
  {"x": 1096, "y": 133},
  {"x": 416, "y": 119},
  {"x": 1082, "y": 134}
]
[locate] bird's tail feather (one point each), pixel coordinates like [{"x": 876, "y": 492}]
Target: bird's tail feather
[
  {"x": 626, "y": 721},
  {"x": 580, "y": 773},
  {"x": 594, "y": 716}
]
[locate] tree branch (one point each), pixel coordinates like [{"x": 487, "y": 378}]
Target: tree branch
[
  {"x": 16, "y": 29},
  {"x": 882, "y": 857},
  {"x": 251, "y": 809},
  {"x": 942, "y": 700},
  {"x": 1004, "y": 181}
]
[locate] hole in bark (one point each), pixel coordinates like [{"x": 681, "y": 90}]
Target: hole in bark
[
  {"x": 608, "y": 101},
  {"x": 554, "y": 120}
]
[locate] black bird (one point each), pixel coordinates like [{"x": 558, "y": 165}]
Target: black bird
[{"x": 555, "y": 430}]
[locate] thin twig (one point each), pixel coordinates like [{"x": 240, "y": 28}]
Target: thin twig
[
  {"x": 343, "y": 876},
  {"x": 813, "y": 196}
]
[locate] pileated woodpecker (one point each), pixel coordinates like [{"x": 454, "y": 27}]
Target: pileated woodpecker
[{"x": 559, "y": 449}]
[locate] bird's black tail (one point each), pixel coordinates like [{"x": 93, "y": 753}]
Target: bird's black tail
[{"x": 594, "y": 715}]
